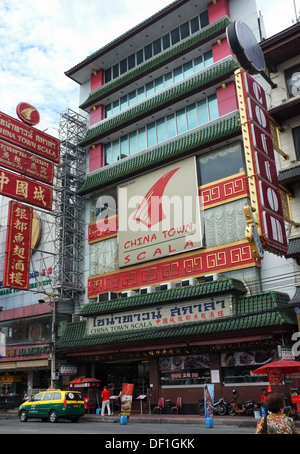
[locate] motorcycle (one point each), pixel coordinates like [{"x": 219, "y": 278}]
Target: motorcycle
[
  {"x": 246, "y": 408},
  {"x": 220, "y": 407}
]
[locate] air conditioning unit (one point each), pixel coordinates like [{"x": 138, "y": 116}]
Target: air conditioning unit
[
  {"x": 128, "y": 294},
  {"x": 166, "y": 286},
  {"x": 187, "y": 282},
  {"x": 107, "y": 296},
  {"x": 212, "y": 277},
  {"x": 145, "y": 290}
]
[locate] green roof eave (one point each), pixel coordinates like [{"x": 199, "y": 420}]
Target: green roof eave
[
  {"x": 270, "y": 314},
  {"x": 210, "y": 32},
  {"x": 228, "y": 285},
  {"x": 220, "y": 130},
  {"x": 206, "y": 78}
]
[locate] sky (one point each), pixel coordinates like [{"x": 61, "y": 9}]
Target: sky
[{"x": 41, "y": 40}]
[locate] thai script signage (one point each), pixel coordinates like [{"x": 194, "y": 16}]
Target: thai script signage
[
  {"x": 159, "y": 214},
  {"x": 261, "y": 165},
  {"x": 38, "y": 142},
  {"x": 174, "y": 314},
  {"x": 14, "y": 158},
  {"x": 18, "y": 247}
]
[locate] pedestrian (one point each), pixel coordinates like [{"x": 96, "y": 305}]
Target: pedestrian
[
  {"x": 276, "y": 422},
  {"x": 105, "y": 401},
  {"x": 263, "y": 399}
]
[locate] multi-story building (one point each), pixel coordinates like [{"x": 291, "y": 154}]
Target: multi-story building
[{"x": 176, "y": 296}]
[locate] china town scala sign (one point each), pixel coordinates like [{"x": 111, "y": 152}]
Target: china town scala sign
[{"x": 169, "y": 315}]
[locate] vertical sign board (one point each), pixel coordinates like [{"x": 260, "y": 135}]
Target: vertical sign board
[
  {"x": 261, "y": 163},
  {"x": 18, "y": 246}
]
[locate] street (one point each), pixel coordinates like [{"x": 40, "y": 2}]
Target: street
[{"x": 14, "y": 426}]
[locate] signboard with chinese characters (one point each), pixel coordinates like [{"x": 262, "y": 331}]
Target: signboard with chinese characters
[
  {"x": 25, "y": 190},
  {"x": 29, "y": 138},
  {"x": 261, "y": 165},
  {"x": 18, "y": 160},
  {"x": 159, "y": 214},
  {"x": 18, "y": 246},
  {"x": 168, "y": 315}
]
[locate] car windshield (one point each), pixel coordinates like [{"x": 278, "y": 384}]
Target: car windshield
[{"x": 73, "y": 396}]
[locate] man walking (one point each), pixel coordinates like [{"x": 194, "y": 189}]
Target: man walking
[{"x": 105, "y": 401}]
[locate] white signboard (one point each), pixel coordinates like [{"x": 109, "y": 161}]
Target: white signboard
[
  {"x": 159, "y": 214},
  {"x": 174, "y": 314}
]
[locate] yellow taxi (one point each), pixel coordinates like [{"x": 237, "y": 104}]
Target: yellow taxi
[{"x": 52, "y": 405}]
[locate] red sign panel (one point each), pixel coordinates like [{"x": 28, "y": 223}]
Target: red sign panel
[
  {"x": 18, "y": 246},
  {"x": 38, "y": 142},
  {"x": 25, "y": 190},
  {"x": 22, "y": 161},
  {"x": 269, "y": 200},
  {"x": 28, "y": 113}
]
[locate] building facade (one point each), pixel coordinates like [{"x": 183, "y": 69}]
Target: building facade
[{"x": 177, "y": 296}]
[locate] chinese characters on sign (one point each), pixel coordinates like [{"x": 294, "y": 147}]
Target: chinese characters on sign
[{"x": 18, "y": 246}]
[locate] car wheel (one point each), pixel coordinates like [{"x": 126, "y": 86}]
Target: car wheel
[
  {"x": 53, "y": 416},
  {"x": 23, "y": 416}
]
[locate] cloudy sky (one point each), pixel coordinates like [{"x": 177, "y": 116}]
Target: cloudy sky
[{"x": 41, "y": 40}]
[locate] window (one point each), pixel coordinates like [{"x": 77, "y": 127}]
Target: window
[
  {"x": 185, "y": 30},
  {"x": 222, "y": 163},
  {"x": 37, "y": 398},
  {"x": 47, "y": 396},
  {"x": 296, "y": 137},
  {"x": 292, "y": 77},
  {"x": 166, "y": 42},
  {"x": 148, "y": 51},
  {"x": 237, "y": 367},
  {"x": 157, "y": 47},
  {"x": 175, "y": 36},
  {"x": 184, "y": 370}
]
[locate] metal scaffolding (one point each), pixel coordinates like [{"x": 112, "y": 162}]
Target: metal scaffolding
[{"x": 70, "y": 209}]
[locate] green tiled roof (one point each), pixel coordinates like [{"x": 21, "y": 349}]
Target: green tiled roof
[
  {"x": 201, "y": 81},
  {"x": 249, "y": 312},
  {"x": 233, "y": 286},
  {"x": 213, "y": 133},
  {"x": 210, "y": 32}
]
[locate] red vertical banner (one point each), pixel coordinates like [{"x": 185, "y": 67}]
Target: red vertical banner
[
  {"x": 126, "y": 399},
  {"x": 18, "y": 246}
]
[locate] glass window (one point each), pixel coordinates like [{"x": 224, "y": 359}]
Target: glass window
[
  {"x": 208, "y": 58},
  {"x": 175, "y": 36},
  {"x": 161, "y": 130},
  {"x": 191, "y": 113},
  {"x": 123, "y": 66},
  {"x": 116, "y": 150},
  {"x": 166, "y": 41},
  {"x": 188, "y": 69},
  {"x": 151, "y": 135},
  {"x": 140, "y": 57},
  {"x": 107, "y": 75},
  {"x": 237, "y": 367},
  {"x": 204, "y": 19},
  {"x": 116, "y": 71},
  {"x": 124, "y": 147},
  {"x": 133, "y": 143},
  {"x": 157, "y": 47},
  {"x": 131, "y": 61},
  {"x": 159, "y": 84},
  {"x": 171, "y": 126},
  {"x": 195, "y": 27},
  {"x": 148, "y": 51},
  {"x": 198, "y": 62},
  {"x": 47, "y": 396},
  {"x": 141, "y": 94},
  {"x": 202, "y": 112},
  {"x": 57, "y": 396},
  {"x": 168, "y": 79},
  {"x": 181, "y": 121},
  {"x": 150, "y": 89},
  {"x": 37, "y": 397},
  {"x": 142, "y": 139},
  {"x": 107, "y": 154},
  {"x": 222, "y": 163},
  {"x": 116, "y": 107},
  {"x": 184, "y": 370},
  {"x": 213, "y": 107},
  {"x": 178, "y": 74},
  {"x": 185, "y": 30},
  {"x": 108, "y": 111},
  {"x": 296, "y": 137},
  {"x": 292, "y": 76},
  {"x": 132, "y": 98},
  {"x": 124, "y": 102}
]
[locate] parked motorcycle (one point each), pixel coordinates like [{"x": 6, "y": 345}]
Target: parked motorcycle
[
  {"x": 220, "y": 407},
  {"x": 246, "y": 408}
]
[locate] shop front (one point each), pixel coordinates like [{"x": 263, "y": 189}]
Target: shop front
[{"x": 170, "y": 343}]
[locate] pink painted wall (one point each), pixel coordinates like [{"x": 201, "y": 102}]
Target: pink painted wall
[
  {"x": 221, "y": 50},
  {"x": 97, "y": 79},
  {"x": 96, "y": 158},
  {"x": 227, "y": 99},
  {"x": 96, "y": 115},
  {"x": 217, "y": 11}
]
